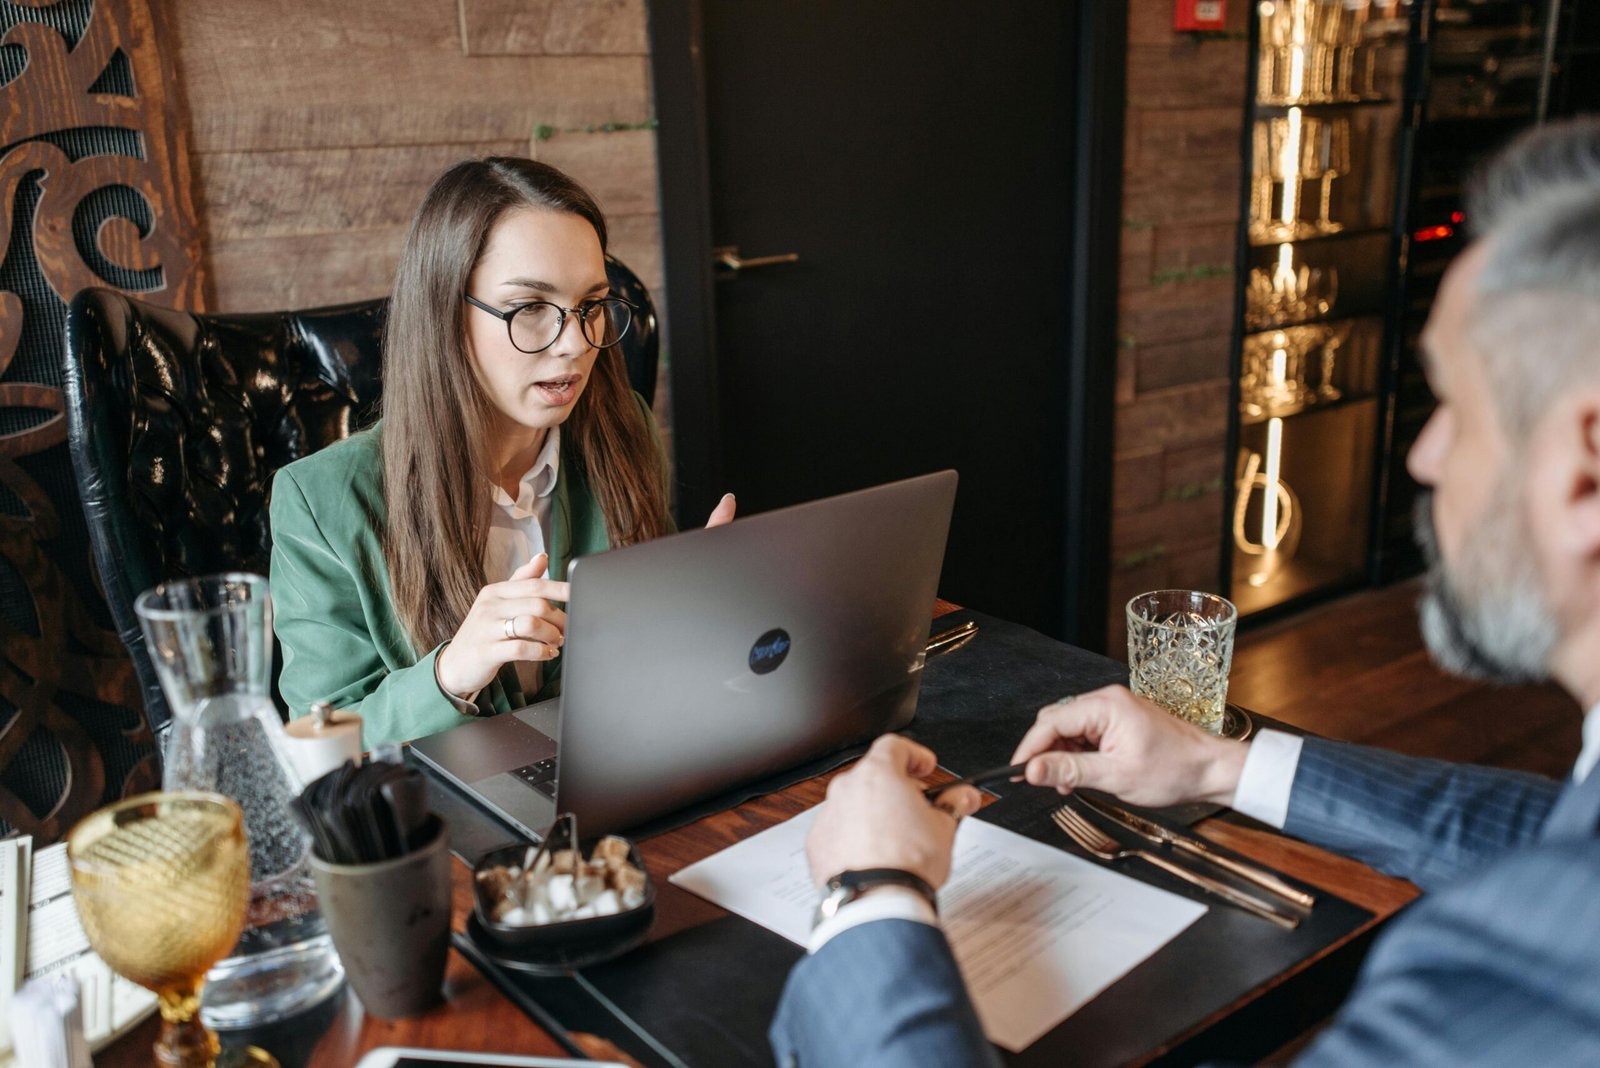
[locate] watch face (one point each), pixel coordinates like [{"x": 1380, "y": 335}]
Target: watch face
[
  {"x": 835, "y": 897},
  {"x": 829, "y": 905}
]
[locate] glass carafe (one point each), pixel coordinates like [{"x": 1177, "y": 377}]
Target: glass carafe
[{"x": 210, "y": 639}]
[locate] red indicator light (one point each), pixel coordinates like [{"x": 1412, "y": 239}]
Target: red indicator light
[
  {"x": 1458, "y": 217},
  {"x": 1434, "y": 233}
]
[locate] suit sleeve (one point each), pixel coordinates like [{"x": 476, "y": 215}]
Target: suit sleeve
[
  {"x": 1430, "y": 821},
  {"x": 885, "y": 994},
  {"x": 1500, "y": 969},
  {"x": 328, "y": 651}
]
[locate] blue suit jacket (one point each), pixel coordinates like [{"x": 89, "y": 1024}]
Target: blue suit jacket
[{"x": 1498, "y": 964}]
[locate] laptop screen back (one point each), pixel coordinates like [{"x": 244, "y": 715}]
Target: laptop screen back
[{"x": 715, "y": 657}]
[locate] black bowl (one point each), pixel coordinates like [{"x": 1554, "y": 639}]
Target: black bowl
[{"x": 566, "y": 939}]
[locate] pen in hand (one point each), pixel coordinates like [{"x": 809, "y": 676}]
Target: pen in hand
[{"x": 982, "y": 778}]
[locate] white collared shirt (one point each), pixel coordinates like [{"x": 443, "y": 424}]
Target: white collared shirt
[
  {"x": 519, "y": 530},
  {"x": 1589, "y": 755}
]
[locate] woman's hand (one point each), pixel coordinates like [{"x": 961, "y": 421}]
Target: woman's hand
[
  {"x": 723, "y": 512},
  {"x": 510, "y": 621}
]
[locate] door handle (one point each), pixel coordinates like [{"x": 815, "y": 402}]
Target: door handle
[{"x": 727, "y": 256}]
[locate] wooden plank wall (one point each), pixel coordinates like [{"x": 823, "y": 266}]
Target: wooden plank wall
[
  {"x": 1180, "y": 214},
  {"x": 316, "y": 127}
]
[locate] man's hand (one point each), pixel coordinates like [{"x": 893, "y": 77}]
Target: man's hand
[
  {"x": 1125, "y": 745},
  {"x": 876, "y": 816}
]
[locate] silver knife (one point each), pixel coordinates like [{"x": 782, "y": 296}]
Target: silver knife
[{"x": 1157, "y": 834}]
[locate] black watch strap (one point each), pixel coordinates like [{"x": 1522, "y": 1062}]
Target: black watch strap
[{"x": 860, "y": 881}]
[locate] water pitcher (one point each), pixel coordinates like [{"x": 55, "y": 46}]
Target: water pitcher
[{"x": 210, "y": 639}]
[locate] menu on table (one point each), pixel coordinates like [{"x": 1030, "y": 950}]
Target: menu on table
[
  {"x": 1037, "y": 931},
  {"x": 44, "y": 936}
]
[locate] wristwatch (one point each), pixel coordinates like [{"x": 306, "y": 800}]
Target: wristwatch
[{"x": 845, "y": 887}]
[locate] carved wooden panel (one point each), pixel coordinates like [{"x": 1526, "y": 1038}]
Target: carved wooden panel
[{"x": 94, "y": 190}]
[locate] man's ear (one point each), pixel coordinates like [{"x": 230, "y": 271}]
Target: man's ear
[{"x": 1581, "y": 456}]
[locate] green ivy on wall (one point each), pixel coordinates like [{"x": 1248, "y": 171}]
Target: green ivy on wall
[
  {"x": 543, "y": 132},
  {"x": 1191, "y": 274}
]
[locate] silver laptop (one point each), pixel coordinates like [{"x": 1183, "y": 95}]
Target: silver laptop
[{"x": 712, "y": 658}]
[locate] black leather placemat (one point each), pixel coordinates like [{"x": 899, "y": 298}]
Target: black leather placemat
[
  {"x": 706, "y": 995},
  {"x": 978, "y": 700},
  {"x": 1208, "y": 967}
]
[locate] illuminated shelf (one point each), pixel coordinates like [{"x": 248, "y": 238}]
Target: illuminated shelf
[
  {"x": 1265, "y": 109},
  {"x": 1351, "y": 231},
  {"x": 1319, "y": 320},
  {"x": 1314, "y": 408}
]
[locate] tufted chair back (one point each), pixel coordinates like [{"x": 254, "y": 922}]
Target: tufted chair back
[{"x": 177, "y": 422}]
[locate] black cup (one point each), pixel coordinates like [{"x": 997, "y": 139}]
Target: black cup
[{"x": 390, "y": 922}]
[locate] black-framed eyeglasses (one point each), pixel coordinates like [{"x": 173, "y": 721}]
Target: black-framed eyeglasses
[{"x": 535, "y": 326}]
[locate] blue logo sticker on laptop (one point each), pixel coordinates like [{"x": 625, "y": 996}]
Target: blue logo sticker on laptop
[{"x": 769, "y": 650}]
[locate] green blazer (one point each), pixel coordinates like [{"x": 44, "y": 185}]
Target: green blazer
[{"x": 333, "y": 610}]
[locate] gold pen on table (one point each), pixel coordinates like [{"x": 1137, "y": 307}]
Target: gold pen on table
[{"x": 982, "y": 778}]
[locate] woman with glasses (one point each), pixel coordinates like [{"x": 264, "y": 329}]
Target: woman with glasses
[{"x": 418, "y": 567}]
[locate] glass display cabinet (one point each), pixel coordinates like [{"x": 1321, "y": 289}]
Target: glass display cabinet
[
  {"x": 1324, "y": 139},
  {"x": 1365, "y": 118},
  {"x": 1485, "y": 70}
]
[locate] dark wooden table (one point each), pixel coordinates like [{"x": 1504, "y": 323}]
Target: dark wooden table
[{"x": 474, "y": 1016}]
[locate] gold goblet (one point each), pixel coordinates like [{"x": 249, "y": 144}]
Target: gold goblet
[{"x": 162, "y": 882}]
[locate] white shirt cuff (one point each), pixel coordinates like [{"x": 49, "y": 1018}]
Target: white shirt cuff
[
  {"x": 1268, "y": 777},
  {"x": 883, "y": 903}
]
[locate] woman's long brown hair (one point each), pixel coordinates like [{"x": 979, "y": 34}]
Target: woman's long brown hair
[{"x": 437, "y": 419}]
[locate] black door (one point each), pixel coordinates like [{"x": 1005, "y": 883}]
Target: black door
[{"x": 923, "y": 163}]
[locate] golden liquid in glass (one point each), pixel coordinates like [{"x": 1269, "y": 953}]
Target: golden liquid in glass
[
  {"x": 1205, "y": 712},
  {"x": 1180, "y": 646},
  {"x": 162, "y": 889}
]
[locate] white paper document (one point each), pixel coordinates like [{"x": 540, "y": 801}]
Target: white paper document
[
  {"x": 1037, "y": 932},
  {"x": 14, "y": 860}
]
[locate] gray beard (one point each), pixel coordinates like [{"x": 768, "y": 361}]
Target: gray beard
[{"x": 1485, "y": 617}]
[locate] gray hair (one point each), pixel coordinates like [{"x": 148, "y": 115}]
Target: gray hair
[
  {"x": 1536, "y": 211},
  {"x": 1536, "y": 206}
]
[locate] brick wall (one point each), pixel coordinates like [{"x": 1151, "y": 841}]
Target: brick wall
[{"x": 1185, "y": 114}]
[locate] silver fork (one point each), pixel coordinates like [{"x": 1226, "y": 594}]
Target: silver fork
[{"x": 1095, "y": 841}]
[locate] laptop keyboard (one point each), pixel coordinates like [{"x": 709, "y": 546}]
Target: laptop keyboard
[{"x": 541, "y": 775}]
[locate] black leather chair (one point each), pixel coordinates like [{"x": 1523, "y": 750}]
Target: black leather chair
[{"x": 176, "y": 423}]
